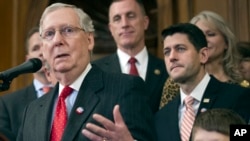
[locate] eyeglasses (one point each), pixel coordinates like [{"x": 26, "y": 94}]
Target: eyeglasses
[{"x": 65, "y": 31}]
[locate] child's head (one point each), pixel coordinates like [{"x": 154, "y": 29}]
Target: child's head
[{"x": 214, "y": 125}]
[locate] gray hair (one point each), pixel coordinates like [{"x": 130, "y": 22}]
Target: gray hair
[
  {"x": 231, "y": 55},
  {"x": 85, "y": 21}
]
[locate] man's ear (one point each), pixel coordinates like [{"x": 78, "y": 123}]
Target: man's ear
[
  {"x": 203, "y": 55},
  {"x": 110, "y": 28},
  {"x": 146, "y": 22},
  {"x": 27, "y": 57},
  {"x": 91, "y": 41}
]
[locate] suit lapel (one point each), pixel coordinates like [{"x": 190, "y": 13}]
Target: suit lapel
[
  {"x": 86, "y": 99},
  {"x": 175, "y": 123},
  {"x": 113, "y": 63},
  {"x": 167, "y": 121},
  {"x": 45, "y": 109},
  {"x": 31, "y": 92},
  {"x": 152, "y": 72},
  {"x": 210, "y": 95}
]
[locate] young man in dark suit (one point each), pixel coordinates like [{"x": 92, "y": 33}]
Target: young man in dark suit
[
  {"x": 186, "y": 52},
  {"x": 13, "y": 104},
  {"x": 185, "y": 55},
  {"x": 127, "y": 23},
  {"x": 68, "y": 40}
]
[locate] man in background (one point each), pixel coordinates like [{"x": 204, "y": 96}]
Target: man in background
[
  {"x": 185, "y": 53},
  {"x": 127, "y": 23},
  {"x": 12, "y": 105}
]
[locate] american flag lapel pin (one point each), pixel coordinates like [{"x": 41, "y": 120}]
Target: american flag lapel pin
[
  {"x": 79, "y": 110},
  {"x": 206, "y": 100}
]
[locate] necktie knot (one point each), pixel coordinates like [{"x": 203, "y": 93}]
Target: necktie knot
[
  {"x": 133, "y": 69},
  {"x": 189, "y": 100},
  {"x": 66, "y": 92},
  {"x": 132, "y": 60}
]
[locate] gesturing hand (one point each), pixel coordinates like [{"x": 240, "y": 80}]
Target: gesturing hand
[{"x": 116, "y": 131}]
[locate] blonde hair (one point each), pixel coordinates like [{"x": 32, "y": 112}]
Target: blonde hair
[{"x": 231, "y": 56}]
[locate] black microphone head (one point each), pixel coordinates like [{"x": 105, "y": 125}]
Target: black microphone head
[
  {"x": 37, "y": 64},
  {"x": 30, "y": 66}
]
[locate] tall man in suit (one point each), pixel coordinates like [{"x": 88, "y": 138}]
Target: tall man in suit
[
  {"x": 127, "y": 23},
  {"x": 68, "y": 41},
  {"x": 185, "y": 54},
  {"x": 13, "y": 104}
]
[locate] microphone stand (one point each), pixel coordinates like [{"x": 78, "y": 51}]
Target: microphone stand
[{"x": 4, "y": 84}]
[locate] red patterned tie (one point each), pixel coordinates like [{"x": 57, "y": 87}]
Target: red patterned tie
[
  {"x": 60, "y": 118},
  {"x": 133, "y": 69},
  {"x": 188, "y": 119}
]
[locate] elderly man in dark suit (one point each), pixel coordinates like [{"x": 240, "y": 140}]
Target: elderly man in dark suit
[
  {"x": 185, "y": 54},
  {"x": 127, "y": 23},
  {"x": 83, "y": 89},
  {"x": 13, "y": 104}
]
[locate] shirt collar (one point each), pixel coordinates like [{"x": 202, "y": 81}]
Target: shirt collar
[
  {"x": 140, "y": 57},
  {"x": 77, "y": 83},
  {"x": 199, "y": 90},
  {"x": 39, "y": 85}
]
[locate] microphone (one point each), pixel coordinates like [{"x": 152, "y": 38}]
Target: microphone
[{"x": 30, "y": 66}]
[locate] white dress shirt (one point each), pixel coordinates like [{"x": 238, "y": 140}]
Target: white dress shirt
[
  {"x": 70, "y": 100},
  {"x": 141, "y": 64},
  {"x": 197, "y": 94},
  {"x": 39, "y": 87}
]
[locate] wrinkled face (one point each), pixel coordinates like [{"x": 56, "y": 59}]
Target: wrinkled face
[
  {"x": 66, "y": 53},
  {"x": 35, "y": 48},
  {"x": 216, "y": 41},
  {"x": 204, "y": 135},
  {"x": 127, "y": 23},
  {"x": 245, "y": 68},
  {"x": 182, "y": 60}
]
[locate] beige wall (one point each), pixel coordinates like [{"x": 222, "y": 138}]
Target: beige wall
[{"x": 17, "y": 17}]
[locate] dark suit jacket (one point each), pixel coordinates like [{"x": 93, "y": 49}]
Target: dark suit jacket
[
  {"x": 6, "y": 135},
  {"x": 12, "y": 106},
  {"x": 221, "y": 95},
  {"x": 156, "y": 76},
  {"x": 99, "y": 93}
]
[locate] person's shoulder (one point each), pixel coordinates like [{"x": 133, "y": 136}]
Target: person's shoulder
[
  {"x": 156, "y": 62},
  {"x": 228, "y": 88},
  {"x": 233, "y": 86},
  {"x": 122, "y": 76},
  {"x": 18, "y": 93},
  {"x": 155, "y": 58},
  {"x": 117, "y": 77},
  {"x": 103, "y": 59},
  {"x": 169, "y": 107}
]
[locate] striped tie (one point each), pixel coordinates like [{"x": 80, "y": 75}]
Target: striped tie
[{"x": 188, "y": 119}]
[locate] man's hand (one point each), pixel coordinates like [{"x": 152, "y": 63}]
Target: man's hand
[{"x": 116, "y": 131}]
